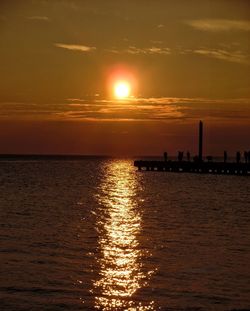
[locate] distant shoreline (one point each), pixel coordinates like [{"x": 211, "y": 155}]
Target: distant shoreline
[
  {"x": 79, "y": 157},
  {"x": 49, "y": 157}
]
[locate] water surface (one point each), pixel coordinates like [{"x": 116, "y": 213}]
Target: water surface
[{"x": 96, "y": 234}]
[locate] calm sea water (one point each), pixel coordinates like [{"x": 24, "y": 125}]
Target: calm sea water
[{"x": 97, "y": 234}]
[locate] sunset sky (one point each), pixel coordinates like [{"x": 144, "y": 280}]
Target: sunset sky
[{"x": 185, "y": 61}]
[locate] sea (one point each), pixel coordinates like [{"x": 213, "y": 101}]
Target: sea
[{"x": 93, "y": 233}]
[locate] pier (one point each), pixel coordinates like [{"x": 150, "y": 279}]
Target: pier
[
  {"x": 193, "y": 167},
  {"x": 198, "y": 165}
]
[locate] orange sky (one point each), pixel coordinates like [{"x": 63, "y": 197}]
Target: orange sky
[{"x": 185, "y": 60}]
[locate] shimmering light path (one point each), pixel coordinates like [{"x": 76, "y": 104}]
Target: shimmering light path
[{"x": 120, "y": 263}]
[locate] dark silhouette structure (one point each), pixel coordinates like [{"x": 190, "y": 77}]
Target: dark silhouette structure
[
  {"x": 165, "y": 154},
  {"x": 238, "y": 156},
  {"x": 209, "y": 159},
  {"x": 198, "y": 165},
  {"x": 180, "y": 156},
  {"x": 225, "y": 156},
  {"x": 195, "y": 167},
  {"x": 246, "y": 156},
  {"x": 196, "y": 159},
  {"x": 200, "y": 141}
]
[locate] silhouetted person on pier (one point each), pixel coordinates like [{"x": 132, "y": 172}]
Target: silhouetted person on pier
[
  {"x": 225, "y": 156},
  {"x": 188, "y": 156},
  {"x": 237, "y": 157},
  {"x": 246, "y": 156},
  {"x": 180, "y": 156},
  {"x": 165, "y": 154}
]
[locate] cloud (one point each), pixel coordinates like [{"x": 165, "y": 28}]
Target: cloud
[
  {"x": 75, "y": 47},
  {"x": 227, "y": 54},
  {"x": 76, "y": 99},
  {"x": 26, "y": 110},
  {"x": 150, "y": 50},
  {"x": 230, "y": 53},
  {"x": 230, "y": 56},
  {"x": 157, "y": 50},
  {"x": 158, "y": 109},
  {"x": 151, "y": 109},
  {"x": 116, "y": 110},
  {"x": 39, "y": 18},
  {"x": 215, "y": 25},
  {"x": 146, "y": 51}
]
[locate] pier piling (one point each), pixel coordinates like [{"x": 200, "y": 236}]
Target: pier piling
[{"x": 200, "y": 141}]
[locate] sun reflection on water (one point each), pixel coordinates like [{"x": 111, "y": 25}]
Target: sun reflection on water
[{"x": 121, "y": 274}]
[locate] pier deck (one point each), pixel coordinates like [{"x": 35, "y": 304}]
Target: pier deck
[{"x": 226, "y": 168}]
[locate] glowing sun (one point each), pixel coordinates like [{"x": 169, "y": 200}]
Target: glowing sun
[{"x": 122, "y": 89}]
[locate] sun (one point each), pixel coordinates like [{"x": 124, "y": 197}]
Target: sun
[{"x": 122, "y": 89}]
